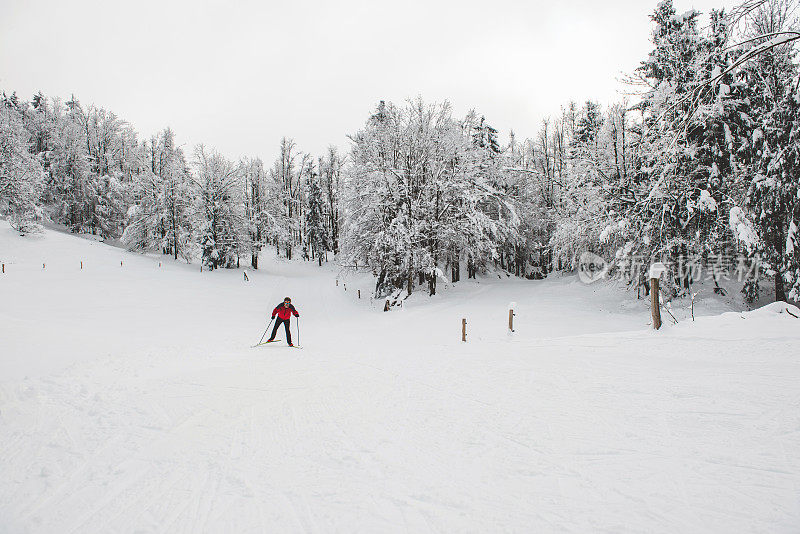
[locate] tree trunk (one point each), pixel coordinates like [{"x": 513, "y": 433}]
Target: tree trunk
[
  {"x": 174, "y": 233},
  {"x": 379, "y": 281},
  {"x": 655, "y": 305},
  {"x": 780, "y": 289}
]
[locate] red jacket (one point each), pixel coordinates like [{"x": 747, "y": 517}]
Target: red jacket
[{"x": 283, "y": 312}]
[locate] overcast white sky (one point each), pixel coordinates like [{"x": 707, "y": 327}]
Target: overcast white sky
[{"x": 239, "y": 75}]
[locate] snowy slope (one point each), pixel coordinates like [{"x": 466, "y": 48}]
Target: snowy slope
[{"x": 131, "y": 401}]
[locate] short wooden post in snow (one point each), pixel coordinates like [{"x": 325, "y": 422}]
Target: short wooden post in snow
[
  {"x": 4, "y": 268},
  {"x": 511, "y": 314},
  {"x": 337, "y": 283},
  {"x": 81, "y": 265},
  {"x": 359, "y": 293},
  {"x": 386, "y": 306},
  {"x": 656, "y": 270},
  {"x": 463, "y": 329}
]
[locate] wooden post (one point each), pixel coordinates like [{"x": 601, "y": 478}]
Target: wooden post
[
  {"x": 655, "y": 304},
  {"x": 463, "y": 329},
  {"x": 4, "y": 268},
  {"x": 345, "y": 287},
  {"x": 386, "y": 306},
  {"x": 337, "y": 282},
  {"x": 511, "y": 320},
  {"x": 359, "y": 293},
  {"x": 81, "y": 264},
  {"x": 159, "y": 264}
]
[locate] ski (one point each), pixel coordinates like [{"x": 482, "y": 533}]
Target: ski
[
  {"x": 265, "y": 342},
  {"x": 275, "y": 341}
]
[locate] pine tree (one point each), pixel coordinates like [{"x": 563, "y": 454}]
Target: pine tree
[
  {"x": 772, "y": 195},
  {"x": 663, "y": 184},
  {"x": 587, "y": 129},
  {"x": 485, "y": 136}
]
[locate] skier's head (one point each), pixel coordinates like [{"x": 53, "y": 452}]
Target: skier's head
[{"x": 287, "y": 301}]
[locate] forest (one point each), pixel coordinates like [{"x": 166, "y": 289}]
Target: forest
[{"x": 699, "y": 165}]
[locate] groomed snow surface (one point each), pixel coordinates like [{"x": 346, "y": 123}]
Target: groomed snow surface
[{"x": 131, "y": 401}]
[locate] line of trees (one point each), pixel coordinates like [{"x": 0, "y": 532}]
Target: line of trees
[
  {"x": 85, "y": 168},
  {"x": 705, "y": 162}
]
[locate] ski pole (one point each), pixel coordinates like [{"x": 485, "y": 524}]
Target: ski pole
[
  {"x": 298, "y": 331},
  {"x": 265, "y": 332}
]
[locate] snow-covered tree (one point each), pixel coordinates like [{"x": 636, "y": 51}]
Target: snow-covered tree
[
  {"x": 330, "y": 174},
  {"x": 21, "y": 173},
  {"x": 259, "y": 206},
  {"x": 773, "y": 192},
  {"x": 287, "y": 174},
  {"x": 418, "y": 197},
  {"x": 161, "y": 217},
  {"x": 315, "y": 220},
  {"x": 219, "y": 210}
]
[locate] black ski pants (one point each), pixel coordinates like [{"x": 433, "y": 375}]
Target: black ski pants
[{"x": 278, "y": 322}]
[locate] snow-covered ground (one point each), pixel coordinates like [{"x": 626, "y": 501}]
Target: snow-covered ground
[{"x": 131, "y": 401}]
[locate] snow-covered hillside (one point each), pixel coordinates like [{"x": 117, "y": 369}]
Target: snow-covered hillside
[{"x": 131, "y": 401}]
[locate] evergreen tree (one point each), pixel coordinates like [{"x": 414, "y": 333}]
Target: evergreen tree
[
  {"x": 772, "y": 195},
  {"x": 587, "y": 129}
]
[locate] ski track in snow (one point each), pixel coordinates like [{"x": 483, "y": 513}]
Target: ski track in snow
[{"x": 131, "y": 401}]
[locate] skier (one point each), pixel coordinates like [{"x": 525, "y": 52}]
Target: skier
[{"x": 284, "y": 311}]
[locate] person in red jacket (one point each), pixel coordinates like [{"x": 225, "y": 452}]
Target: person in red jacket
[{"x": 284, "y": 311}]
